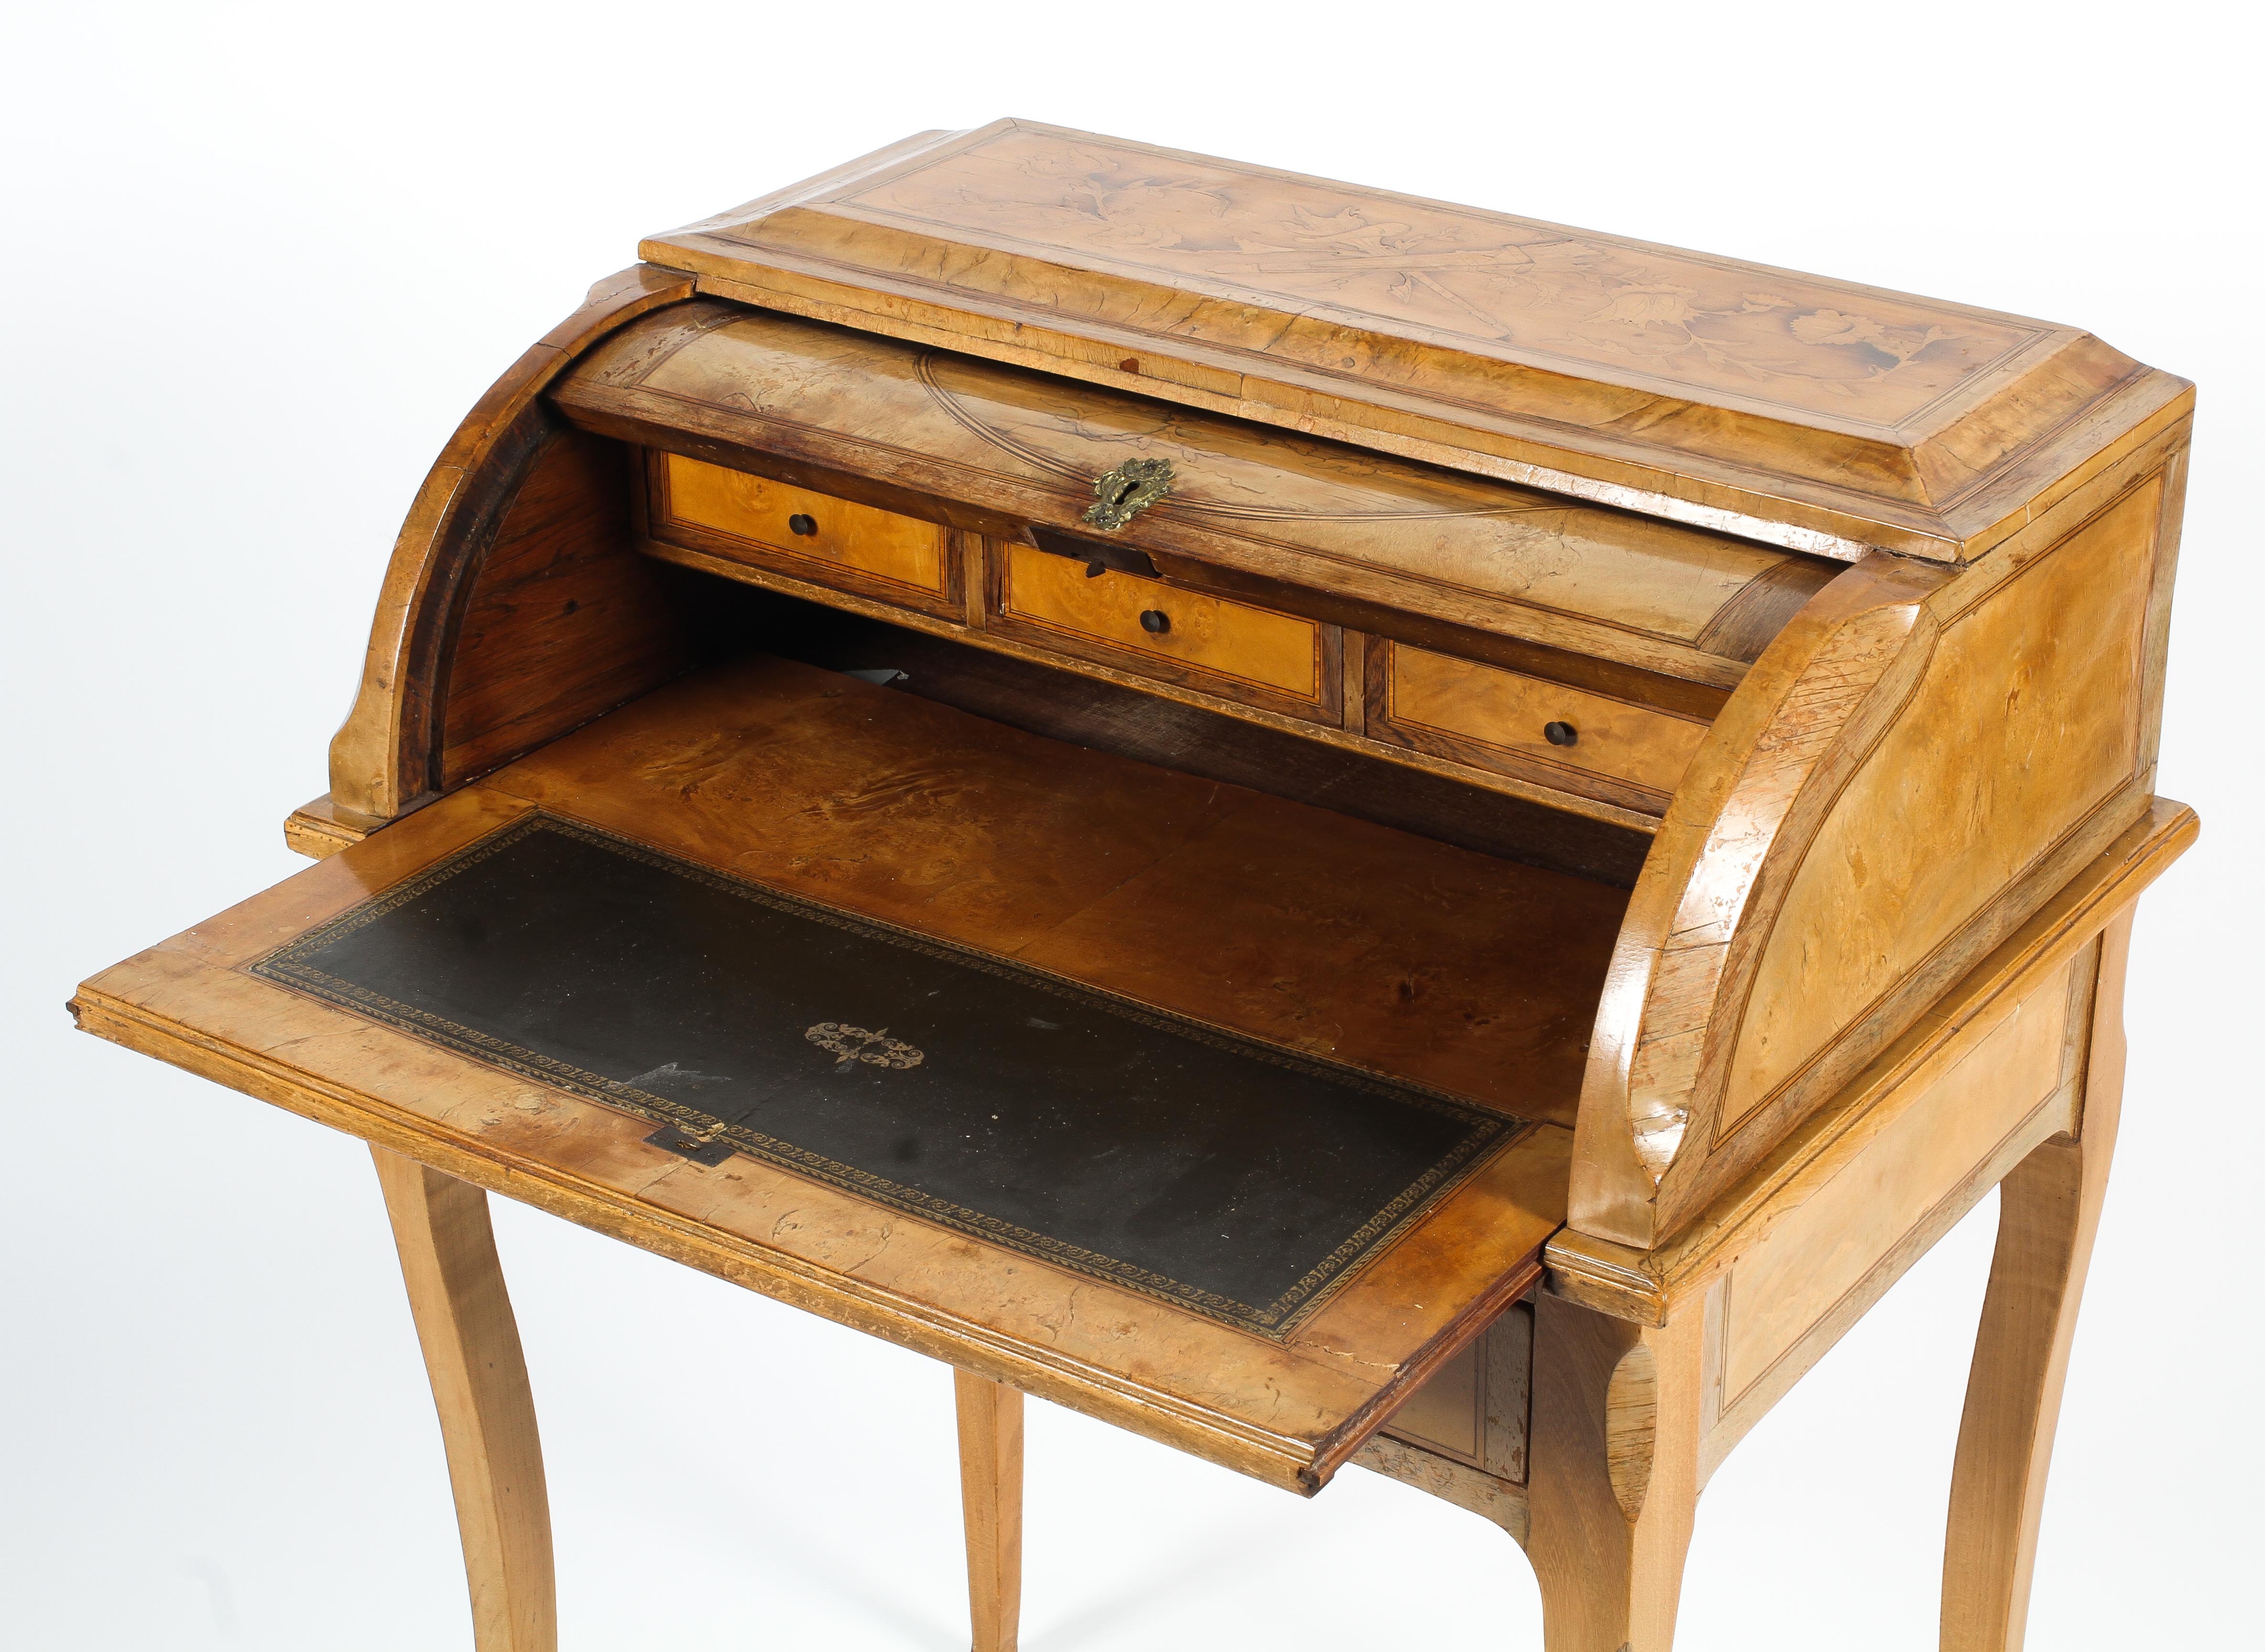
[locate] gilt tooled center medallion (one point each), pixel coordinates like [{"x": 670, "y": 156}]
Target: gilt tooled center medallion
[{"x": 854, "y": 1044}]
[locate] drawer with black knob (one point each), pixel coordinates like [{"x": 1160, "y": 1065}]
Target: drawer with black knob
[
  {"x": 805, "y": 534},
  {"x": 1234, "y": 650},
  {"x": 1510, "y": 722}
]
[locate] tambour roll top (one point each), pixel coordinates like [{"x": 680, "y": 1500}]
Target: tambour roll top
[{"x": 972, "y": 442}]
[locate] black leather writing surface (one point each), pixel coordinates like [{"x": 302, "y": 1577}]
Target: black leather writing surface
[{"x": 1228, "y": 1175}]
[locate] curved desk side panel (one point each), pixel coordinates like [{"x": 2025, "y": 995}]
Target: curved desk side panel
[
  {"x": 387, "y": 757},
  {"x": 1914, "y": 766}
]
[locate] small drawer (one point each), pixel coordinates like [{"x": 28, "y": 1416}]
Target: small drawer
[
  {"x": 1223, "y": 647},
  {"x": 1513, "y": 723},
  {"x": 809, "y": 535}
]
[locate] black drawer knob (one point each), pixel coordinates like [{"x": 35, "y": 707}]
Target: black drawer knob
[
  {"x": 805, "y": 526},
  {"x": 1156, "y": 621},
  {"x": 1561, "y": 733}
]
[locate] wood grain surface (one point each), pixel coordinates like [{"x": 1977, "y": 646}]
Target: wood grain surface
[
  {"x": 561, "y": 619},
  {"x": 1226, "y": 648},
  {"x": 1133, "y": 723},
  {"x": 1914, "y": 1156},
  {"x": 2048, "y": 1216},
  {"x": 1644, "y": 1284},
  {"x": 2027, "y": 722},
  {"x": 1858, "y": 601},
  {"x": 1914, "y": 766},
  {"x": 991, "y": 1497},
  {"x": 1736, "y": 801},
  {"x": 386, "y": 758},
  {"x": 725, "y": 382},
  {"x": 472, "y": 1355},
  {"x": 2016, "y": 1082},
  {"x": 844, "y": 537},
  {"x": 1150, "y": 675},
  {"x": 1349, "y": 940},
  {"x": 1615, "y": 1474},
  {"x": 1803, "y": 411},
  {"x": 314, "y": 830},
  {"x": 1625, "y": 753},
  {"x": 1228, "y": 639},
  {"x": 1087, "y": 864}
]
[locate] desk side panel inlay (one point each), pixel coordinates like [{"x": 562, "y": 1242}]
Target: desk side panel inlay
[
  {"x": 1824, "y": 1247},
  {"x": 2037, "y": 689}
]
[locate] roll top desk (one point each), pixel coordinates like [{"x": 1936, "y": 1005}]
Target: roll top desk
[{"x": 1332, "y": 828}]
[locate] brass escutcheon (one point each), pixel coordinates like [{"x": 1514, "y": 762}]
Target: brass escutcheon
[{"x": 1125, "y": 492}]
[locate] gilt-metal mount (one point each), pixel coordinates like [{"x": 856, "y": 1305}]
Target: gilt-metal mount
[{"x": 1125, "y": 492}]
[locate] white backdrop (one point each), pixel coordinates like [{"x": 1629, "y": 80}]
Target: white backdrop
[{"x": 263, "y": 258}]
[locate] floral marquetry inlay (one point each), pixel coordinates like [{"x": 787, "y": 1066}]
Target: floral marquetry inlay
[
  {"x": 1815, "y": 414},
  {"x": 1478, "y": 277}
]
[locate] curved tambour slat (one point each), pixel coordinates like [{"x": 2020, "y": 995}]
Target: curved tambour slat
[
  {"x": 385, "y": 759},
  {"x": 989, "y": 447}
]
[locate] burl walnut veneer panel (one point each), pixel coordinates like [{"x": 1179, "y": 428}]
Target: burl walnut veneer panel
[{"x": 1805, "y": 412}]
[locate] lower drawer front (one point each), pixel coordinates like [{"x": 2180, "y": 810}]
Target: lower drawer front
[
  {"x": 1145, "y": 621},
  {"x": 1486, "y": 711},
  {"x": 795, "y": 525},
  {"x": 1474, "y": 1406}
]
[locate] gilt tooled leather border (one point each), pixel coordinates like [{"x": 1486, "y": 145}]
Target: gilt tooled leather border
[{"x": 1489, "y": 1131}]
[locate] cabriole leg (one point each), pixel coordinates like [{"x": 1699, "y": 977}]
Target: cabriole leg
[
  {"x": 2048, "y": 1211},
  {"x": 1614, "y": 1476},
  {"x": 479, "y": 1387},
  {"x": 991, "y": 1491}
]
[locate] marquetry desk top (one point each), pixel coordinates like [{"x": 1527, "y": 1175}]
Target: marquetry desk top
[{"x": 1795, "y": 409}]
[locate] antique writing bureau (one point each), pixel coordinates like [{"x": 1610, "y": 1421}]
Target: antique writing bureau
[{"x": 1333, "y": 828}]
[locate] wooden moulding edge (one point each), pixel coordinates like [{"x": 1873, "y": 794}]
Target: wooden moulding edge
[
  {"x": 318, "y": 829},
  {"x": 1723, "y": 498},
  {"x": 1276, "y": 1460},
  {"x": 1344, "y": 1443},
  {"x": 1643, "y": 1287}
]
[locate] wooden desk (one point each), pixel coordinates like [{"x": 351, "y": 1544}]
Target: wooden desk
[{"x": 1419, "y": 907}]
